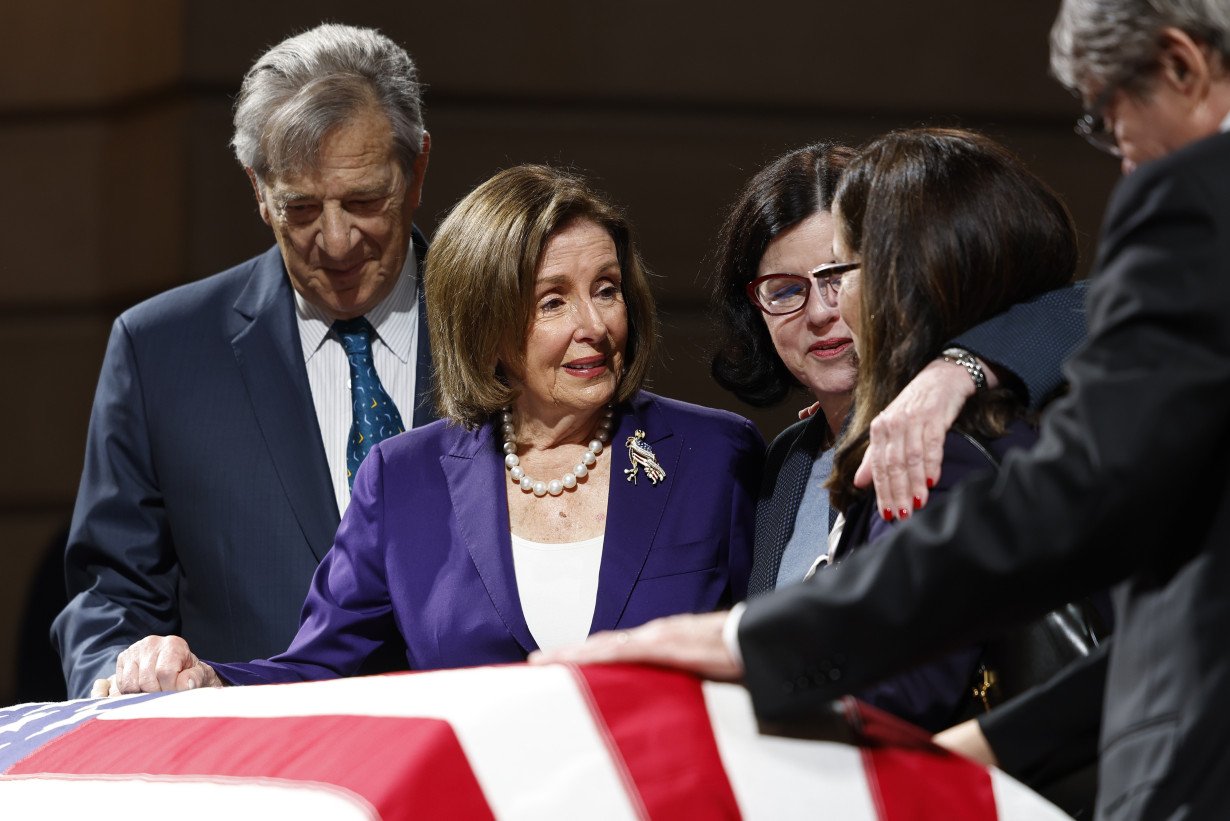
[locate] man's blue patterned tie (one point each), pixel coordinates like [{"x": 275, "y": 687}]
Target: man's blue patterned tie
[{"x": 375, "y": 416}]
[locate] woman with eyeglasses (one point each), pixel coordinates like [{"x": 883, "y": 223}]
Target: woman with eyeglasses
[{"x": 781, "y": 333}]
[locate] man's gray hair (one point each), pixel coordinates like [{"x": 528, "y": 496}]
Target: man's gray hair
[
  {"x": 1095, "y": 43},
  {"x": 307, "y": 85}
]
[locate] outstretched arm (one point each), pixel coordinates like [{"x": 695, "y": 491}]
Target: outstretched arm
[{"x": 1028, "y": 342}]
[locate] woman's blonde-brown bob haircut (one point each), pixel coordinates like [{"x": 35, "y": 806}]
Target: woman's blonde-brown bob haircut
[{"x": 480, "y": 275}]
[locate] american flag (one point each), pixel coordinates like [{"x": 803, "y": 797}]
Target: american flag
[{"x": 515, "y": 742}]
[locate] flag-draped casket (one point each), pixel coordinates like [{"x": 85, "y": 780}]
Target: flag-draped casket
[{"x": 511, "y": 742}]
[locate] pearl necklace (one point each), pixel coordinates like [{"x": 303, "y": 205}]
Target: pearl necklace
[{"x": 569, "y": 480}]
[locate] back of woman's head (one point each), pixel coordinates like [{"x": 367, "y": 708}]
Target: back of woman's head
[
  {"x": 781, "y": 195},
  {"x": 951, "y": 229}
]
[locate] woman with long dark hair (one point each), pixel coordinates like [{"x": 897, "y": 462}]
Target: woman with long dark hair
[
  {"x": 939, "y": 230},
  {"x": 780, "y": 334}
]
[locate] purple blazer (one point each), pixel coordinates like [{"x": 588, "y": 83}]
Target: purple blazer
[{"x": 423, "y": 560}]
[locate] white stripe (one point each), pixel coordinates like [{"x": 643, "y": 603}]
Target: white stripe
[
  {"x": 781, "y": 778},
  {"x": 184, "y": 798},
  {"x": 528, "y": 733},
  {"x": 1016, "y": 802}
]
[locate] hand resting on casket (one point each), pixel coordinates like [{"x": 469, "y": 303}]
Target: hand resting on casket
[{"x": 156, "y": 664}]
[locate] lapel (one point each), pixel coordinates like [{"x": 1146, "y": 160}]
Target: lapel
[
  {"x": 474, "y": 469},
  {"x": 424, "y": 405},
  {"x": 634, "y": 511},
  {"x": 265, "y": 339},
  {"x": 775, "y": 517}
]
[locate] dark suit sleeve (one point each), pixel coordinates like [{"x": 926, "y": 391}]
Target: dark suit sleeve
[
  {"x": 120, "y": 564},
  {"x": 1051, "y": 730},
  {"x": 1032, "y": 340},
  {"x": 1077, "y": 513},
  {"x": 348, "y": 614}
]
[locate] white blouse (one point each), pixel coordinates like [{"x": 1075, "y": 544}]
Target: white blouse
[{"x": 558, "y": 585}]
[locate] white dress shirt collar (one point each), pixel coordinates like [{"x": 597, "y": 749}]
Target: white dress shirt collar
[
  {"x": 1225, "y": 124},
  {"x": 393, "y": 318}
]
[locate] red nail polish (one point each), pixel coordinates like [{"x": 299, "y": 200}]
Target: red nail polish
[
  {"x": 930, "y": 483},
  {"x": 888, "y": 515},
  {"x": 917, "y": 503},
  {"x": 903, "y": 513}
]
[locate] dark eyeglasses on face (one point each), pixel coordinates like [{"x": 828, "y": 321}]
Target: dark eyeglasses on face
[
  {"x": 779, "y": 294},
  {"x": 1092, "y": 125}
]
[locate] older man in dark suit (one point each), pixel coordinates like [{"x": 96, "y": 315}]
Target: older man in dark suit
[
  {"x": 232, "y": 412},
  {"x": 1129, "y": 484}
]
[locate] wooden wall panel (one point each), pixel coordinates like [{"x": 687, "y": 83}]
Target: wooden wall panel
[{"x": 57, "y": 55}]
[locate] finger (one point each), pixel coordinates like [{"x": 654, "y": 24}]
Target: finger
[
  {"x": 933, "y": 455},
  {"x": 809, "y": 411},
  {"x": 915, "y": 492},
  {"x": 898, "y": 497},
  {"x": 147, "y": 667},
  {"x": 173, "y": 657},
  {"x": 169, "y": 662},
  {"x": 102, "y": 687},
  {"x": 126, "y": 670},
  {"x": 880, "y": 431},
  {"x": 197, "y": 675}
]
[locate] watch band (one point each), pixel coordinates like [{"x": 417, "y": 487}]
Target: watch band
[{"x": 962, "y": 357}]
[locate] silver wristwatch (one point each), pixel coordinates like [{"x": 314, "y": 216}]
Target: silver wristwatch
[{"x": 962, "y": 357}]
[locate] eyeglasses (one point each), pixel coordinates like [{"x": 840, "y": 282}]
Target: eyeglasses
[
  {"x": 1093, "y": 126},
  {"x": 779, "y": 294}
]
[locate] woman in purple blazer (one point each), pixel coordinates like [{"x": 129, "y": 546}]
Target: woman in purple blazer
[{"x": 554, "y": 499}]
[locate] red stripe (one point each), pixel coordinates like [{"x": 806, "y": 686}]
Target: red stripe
[
  {"x": 659, "y": 725},
  {"x": 913, "y": 780},
  {"x": 405, "y": 767}
]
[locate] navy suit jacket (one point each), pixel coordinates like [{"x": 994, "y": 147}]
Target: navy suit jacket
[
  {"x": 1129, "y": 483},
  {"x": 423, "y": 559},
  {"x": 205, "y": 502}
]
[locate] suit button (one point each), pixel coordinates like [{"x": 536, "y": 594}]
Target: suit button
[
  {"x": 834, "y": 674},
  {"x": 802, "y": 681}
]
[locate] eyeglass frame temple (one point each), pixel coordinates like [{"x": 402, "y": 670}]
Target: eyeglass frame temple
[{"x": 1091, "y": 125}]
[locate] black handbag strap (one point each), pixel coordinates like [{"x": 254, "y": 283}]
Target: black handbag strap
[{"x": 977, "y": 445}]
